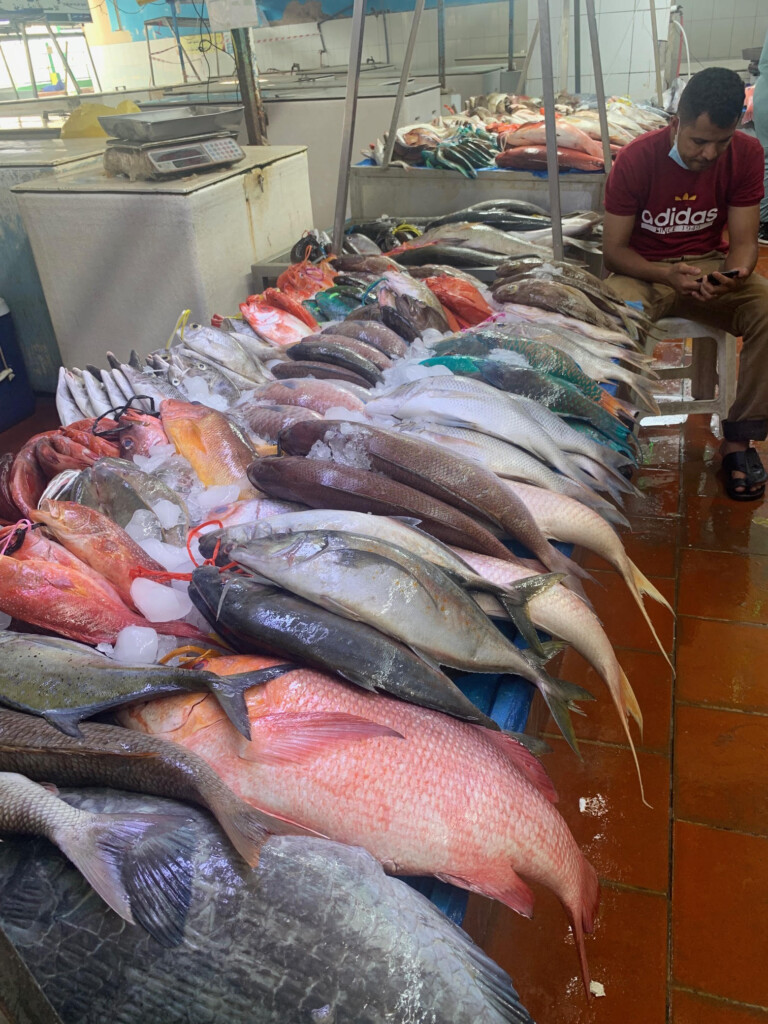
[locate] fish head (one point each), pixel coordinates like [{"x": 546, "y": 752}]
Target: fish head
[
  {"x": 292, "y": 549},
  {"x": 139, "y": 432},
  {"x": 68, "y": 518}
]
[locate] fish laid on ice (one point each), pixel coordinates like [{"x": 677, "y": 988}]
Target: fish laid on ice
[
  {"x": 433, "y": 470},
  {"x": 263, "y": 617},
  {"x": 319, "y": 395},
  {"x": 322, "y": 484},
  {"x": 371, "y": 332},
  {"x": 226, "y": 351},
  {"x": 403, "y": 596},
  {"x": 209, "y": 440},
  {"x": 65, "y": 682},
  {"x": 448, "y": 799},
  {"x": 274, "y": 324},
  {"x": 332, "y": 371},
  {"x": 335, "y": 939},
  {"x": 109, "y": 755},
  {"x": 138, "y": 863},
  {"x": 268, "y": 420}
]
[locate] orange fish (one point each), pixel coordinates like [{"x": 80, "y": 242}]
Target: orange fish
[
  {"x": 139, "y": 432},
  {"x": 97, "y": 541},
  {"x": 273, "y": 323},
  {"x": 304, "y": 280},
  {"x": 61, "y": 599},
  {"x": 215, "y": 447},
  {"x": 283, "y": 301},
  {"x": 441, "y": 797},
  {"x": 461, "y": 298}
]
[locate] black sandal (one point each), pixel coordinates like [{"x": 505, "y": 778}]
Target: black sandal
[{"x": 739, "y": 487}]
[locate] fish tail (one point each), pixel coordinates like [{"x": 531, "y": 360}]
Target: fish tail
[
  {"x": 618, "y": 407},
  {"x": 639, "y": 585},
  {"x": 229, "y": 691},
  {"x": 563, "y": 566},
  {"x": 515, "y": 600},
  {"x": 560, "y": 697},
  {"x": 141, "y": 866},
  {"x": 247, "y": 827},
  {"x": 582, "y": 916},
  {"x": 626, "y": 705}
]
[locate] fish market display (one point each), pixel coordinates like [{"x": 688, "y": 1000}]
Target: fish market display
[
  {"x": 316, "y": 932},
  {"x": 267, "y": 554}
]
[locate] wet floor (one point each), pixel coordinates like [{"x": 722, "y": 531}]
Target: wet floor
[{"x": 682, "y": 934}]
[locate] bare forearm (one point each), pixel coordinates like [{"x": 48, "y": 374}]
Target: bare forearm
[
  {"x": 623, "y": 260},
  {"x": 742, "y": 254}
]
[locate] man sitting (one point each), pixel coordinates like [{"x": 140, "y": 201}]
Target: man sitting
[{"x": 668, "y": 200}]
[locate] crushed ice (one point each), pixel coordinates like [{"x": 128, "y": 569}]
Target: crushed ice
[{"x": 159, "y": 603}]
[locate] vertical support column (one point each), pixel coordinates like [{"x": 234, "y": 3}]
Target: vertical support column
[
  {"x": 149, "y": 55},
  {"x": 25, "y": 39},
  {"x": 511, "y": 37},
  {"x": 96, "y": 80},
  {"x": 527, "y": 63},
  {"x": 63, "y": 58},
  {"x": 418, "y": 11},
  {"x": 548, "y": 89},
  {"x": 350, "y": 115},
  {"x": 655, "y": 37},
  {"x": 177, "y": 36},
  {"x": 597, "y": 64},
  {"x": 565, "y": 38},
  {"x": 440, "y": 43},
  {"x": 577, "y": 46},
  {"x": 8, "y": 70},
  {"x": 249, "y": 88}
]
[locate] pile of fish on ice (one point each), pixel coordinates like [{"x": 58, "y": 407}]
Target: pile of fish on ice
[
  {"x": 268, "y": 637},
  {"x": 509, "y": 131}
]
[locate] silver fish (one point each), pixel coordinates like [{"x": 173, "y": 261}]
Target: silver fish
[
  {"x": 79, "y": 395},
  {"x": 224, "y": 350},
  {"x": 97, "y": 394},
  {"x": 67, "y": 408}
]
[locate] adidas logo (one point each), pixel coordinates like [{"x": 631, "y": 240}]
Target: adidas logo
[{"x": 685, "y": 198}]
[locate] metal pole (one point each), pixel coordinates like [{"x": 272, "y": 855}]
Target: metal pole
[
  {"x": 418, "y": 11},
  {"x": 149, "y": 55},
  {"x": 548, "y": 89},
  {"x": 565, "y": 30},
  {"x": 249, "y": 88},
  {"x": 175, "y": 30},
  {"x": 597, "y": 65},
  {"x": 350, "y": 113},
  {"x": 655, "y": 35},
  {"x": 96, "y": 79},
  {"x": 511, "y": 38},
  {"x": 29, "y": 60},
  {"x": 63, "y": 58},
  {"x": 577, "y": 46},
  {"x": 527, "y": 63},
  {"x": 8, "y": 70},
  {"x": 440, "y": 43}
]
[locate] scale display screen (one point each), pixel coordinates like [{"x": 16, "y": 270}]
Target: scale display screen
[{"x": 186, "y": 154}]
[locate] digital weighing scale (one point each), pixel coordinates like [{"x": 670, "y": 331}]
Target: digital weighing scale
[{"x": 153, "y": 161}]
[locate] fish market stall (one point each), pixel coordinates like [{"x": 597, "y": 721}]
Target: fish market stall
[
  {"x": 21, "y": 161},
  {"x": 95, "y": 237}
]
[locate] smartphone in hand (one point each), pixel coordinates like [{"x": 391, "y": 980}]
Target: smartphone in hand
[{"x": 713, "y": 280}]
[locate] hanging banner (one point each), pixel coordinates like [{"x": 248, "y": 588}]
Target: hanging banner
[{"x": 46, "y": 10}]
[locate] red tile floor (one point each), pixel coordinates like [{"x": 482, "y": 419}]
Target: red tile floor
[{"x": 682, "y": 934}]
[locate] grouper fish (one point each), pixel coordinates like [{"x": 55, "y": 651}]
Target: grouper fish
[
  {"x": 65, "y": 682},
  {"x": 334, "y": 938}
]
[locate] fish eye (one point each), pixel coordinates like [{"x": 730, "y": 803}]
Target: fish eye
[
  {"x": 175, "y": 381},
  {"x": 128, "y": 444},
  {"x": 200, "y": 366}
]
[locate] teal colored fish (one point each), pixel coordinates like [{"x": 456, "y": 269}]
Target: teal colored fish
[
  {"x": 461, "y": 365},
  {"x": 627, "y": 448},
  {"x": 335, "y": 303}
]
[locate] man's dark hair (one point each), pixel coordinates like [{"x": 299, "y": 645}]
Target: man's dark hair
[{"x": 717, "y": 92}]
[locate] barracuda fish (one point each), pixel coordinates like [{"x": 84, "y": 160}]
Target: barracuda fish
[
  {"x": 322, "y": 910},
  {"x": 391, "y": 531},
  {"x": 404, "y": 597},
  {"x": 420, "y": 810},
  {"x": 265, "y": 617},
  {"x": 137, "y": 863},
  {"x": 322, "y": 484},
  {"x": 109, "y": 755},
  {"x": 65, "y": 682},
  {"x": 431, "y": 470}
]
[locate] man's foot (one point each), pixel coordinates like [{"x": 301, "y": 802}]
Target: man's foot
[
  {"x": 743, "y": 471},
  {"x": 762, "y": 235}
]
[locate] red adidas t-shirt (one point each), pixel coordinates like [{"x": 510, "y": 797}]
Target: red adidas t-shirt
[{"x": 680, "y": 212}]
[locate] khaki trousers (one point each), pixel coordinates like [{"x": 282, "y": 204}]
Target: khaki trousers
[{"x": 743, "y": 313}]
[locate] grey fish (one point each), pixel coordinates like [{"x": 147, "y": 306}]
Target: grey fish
[
  {"x": 406, "y": 598},
  {"x": 334, "y": 938},
  {"x": 97, "y": 394},
  {"x": 559, "y": 298},
  {"x": 65, "y": 682},
  {"x": 182, "y": 367},
  {"x": 325, "y": 348},
  {"x": 155, "y": 385},
  {"x": 77, "y": 390},
  {"x": 122, "y": 489},
  {"x": 112, "y": 388},
  {"x": 373, "y": 333},
  {"x": 264, "y": 617},
  {"x": 268, "y": 420},
  {"x": 452, "y": 255},
  {"x": 139, "y": 864},
  {"x": 108, "y": 755},
  {"x": 225, "y": 350},
  {"x": 66, "y": 407}
]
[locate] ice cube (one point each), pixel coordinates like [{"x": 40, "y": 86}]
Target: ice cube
[
  {"x": 157, "y": 602},
  {"x": 143, "y": 525},
  {"x": 223, "y": 494},
  {"x": 136, "y": 645},
  {"x": 168, "y": 513},
  {"x": 5, "y": 620}
]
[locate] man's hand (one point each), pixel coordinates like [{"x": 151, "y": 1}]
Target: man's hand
[
  {"x": 683, "y": 278},
  {"x": 708, "y": 291}
]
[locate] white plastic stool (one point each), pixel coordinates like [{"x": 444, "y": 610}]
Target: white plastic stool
[{"x": 714, "y": 363}]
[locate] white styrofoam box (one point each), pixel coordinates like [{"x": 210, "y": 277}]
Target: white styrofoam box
[
  {"x": 120, "y": 260},
  {"x": 424, "y": 192}
]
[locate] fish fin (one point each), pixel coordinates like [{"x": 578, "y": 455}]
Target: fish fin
[
  {"x": 515, "y": 600},
  {"x": 522, "y": 759},
  {"x": 510, "y": 890},
  {"x": 229, "y": 691},
  {"x": 409, "y": 521},
  {"x": 67, "y": 722},
  {"x": 559, "y": 696},
  {"x": 549, "y": 648},
  {"x": 141, "y": 867},
  {"x": 295, "y": 738},
  {"x": 536, "y": 746},
  {"x": 560, "y": 563},
  {"x": 639, "y": 585},
  {"x": 582, "y": 917}
]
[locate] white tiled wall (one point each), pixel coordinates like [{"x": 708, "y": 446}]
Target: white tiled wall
[{"x": 722, "y": 30}]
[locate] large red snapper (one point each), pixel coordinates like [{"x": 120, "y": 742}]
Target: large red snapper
[{"x": 448, "y": 799}]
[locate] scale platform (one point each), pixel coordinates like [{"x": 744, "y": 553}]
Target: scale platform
[{"x": 155, "y": 161}]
